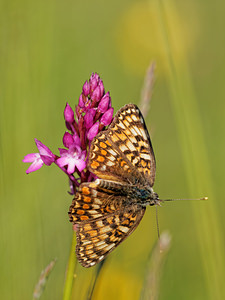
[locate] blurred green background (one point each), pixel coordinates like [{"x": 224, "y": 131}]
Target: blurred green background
[{"x": 47, "y": 50}]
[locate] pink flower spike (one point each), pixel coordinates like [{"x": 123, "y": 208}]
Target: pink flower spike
[
  {"x": 68, "y": 114},
  {"x": 68, "y": 139},
  {"x": 45, "y": 153},
  {"x": 93, "y": 131},
  {"x": 106, "y": 119},
  {"x": 86, "y": 88},
  {"x": 36, "y": 161}
]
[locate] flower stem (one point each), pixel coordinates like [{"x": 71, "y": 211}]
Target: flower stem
[
  {"x": 70, "y": 271},
  {"x": 95, "y": 279}
]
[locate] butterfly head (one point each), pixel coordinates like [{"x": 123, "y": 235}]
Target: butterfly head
[{"x": 154, "y": 200}]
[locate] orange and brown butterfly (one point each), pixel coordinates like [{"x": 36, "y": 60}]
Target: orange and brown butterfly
[{"x": 107, "y": 210}]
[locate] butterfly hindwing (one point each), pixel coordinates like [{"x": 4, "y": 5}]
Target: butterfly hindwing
[
  {"x": 97, "y": 238},
  {"x": 91, "y": 202},
  {"x": 102, "y": 220}
]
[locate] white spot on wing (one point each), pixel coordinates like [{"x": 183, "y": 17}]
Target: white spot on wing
[
  {"x": 94, "y": 193},
  {"x": 132, "y": 138},
  {"x": 126, "y": 123},
  {"x": 112, "y": 158},
  {"x": 105, "y": 229},
  {"x": 123, "y": 229},
  {"x": 134, "y": 132},
  {"x": 103, "y": 168},
  {"x": 97, "y": 201},
  {"x": 135, "y": 160},
  {"x": 111, "y": 151},
  {"x": 121, "y": 125},
  {"x": 109, "y": 247},
  {"x": 123, "y": 147},
  {"x": 145, "y": 156},
  {"x": 130, "y": 145},
  {"x": 129, "y": 119},
  {"x": 143, "y": 133},
  {"x": 134, "y": 118},
  {"x": 95, "y": 206},
  {"x": 92, "y": 212}
]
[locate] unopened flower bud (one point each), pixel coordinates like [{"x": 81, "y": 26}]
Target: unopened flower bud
[
  {"x": 86, "y": 88},
  {"x": 96, "y": 95},
  {"x": 93, "y": 131},
  {"x": 104, "y": 103},
  {"x": 88, "y": 119},
  {"x": 106, "y": 119},
  {"x": 68, "y": 114},
  {"x": 67, "y": 139}
]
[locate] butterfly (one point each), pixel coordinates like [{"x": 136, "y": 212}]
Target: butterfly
[{"x": 107, "y": 210}]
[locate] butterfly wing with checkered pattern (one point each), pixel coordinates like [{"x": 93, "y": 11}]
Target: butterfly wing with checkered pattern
[
  {"x": 124, "y": 152},
  {"x": 104, "y": 211},
  {"x": 102, "y": 221}
]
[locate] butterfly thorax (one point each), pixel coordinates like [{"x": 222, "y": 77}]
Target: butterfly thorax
[
  {"x": 143, "y": 195},
  {"x": 134, "y": 194}
]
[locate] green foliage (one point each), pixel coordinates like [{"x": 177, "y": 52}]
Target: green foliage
[{"x": 47, "y": 50}]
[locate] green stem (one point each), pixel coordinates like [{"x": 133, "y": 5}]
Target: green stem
[
  {"x": 70, "y": 271},
  {"x": 95, "y": 279}
]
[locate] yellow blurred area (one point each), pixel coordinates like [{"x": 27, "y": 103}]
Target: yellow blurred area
[
  {"x": 139, "y": 36},
  {"x": 113, "y": 286}
]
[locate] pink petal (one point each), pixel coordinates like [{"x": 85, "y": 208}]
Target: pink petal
[
  {"x": 29, "y": 158},
  {"x": 80, "y": 164},
  {"x": 37, "y": 164},
  {"x": 71, "y": 166},
  {"x": 62, "y": 161},
  {"x": 44, "y": 150}
]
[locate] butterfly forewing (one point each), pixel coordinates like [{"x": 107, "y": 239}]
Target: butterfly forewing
[
  {"x": 106, "y": 161},
  {"x": 125, "y": 149}
]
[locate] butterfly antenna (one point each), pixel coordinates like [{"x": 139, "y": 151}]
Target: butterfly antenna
[
  {"x": 163, "y": 200},
  {"x": 157, "y": 220}
]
